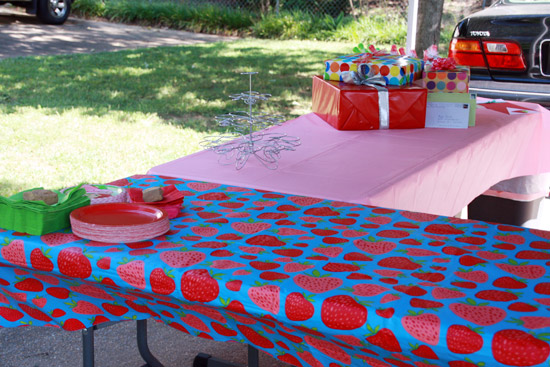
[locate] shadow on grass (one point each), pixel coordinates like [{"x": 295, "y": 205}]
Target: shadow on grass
[{"x": 186, "y": 86}]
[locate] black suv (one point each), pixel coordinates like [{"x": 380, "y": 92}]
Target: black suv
[
  {"x": 507, "y": 47},
  {"x": 48, "y": 11}
]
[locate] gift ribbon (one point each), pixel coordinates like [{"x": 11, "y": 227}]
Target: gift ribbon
[{"x": 379, "y": 83}]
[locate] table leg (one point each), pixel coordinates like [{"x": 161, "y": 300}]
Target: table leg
[
  {"x": 143, "y": 347},
  {"x": 253, "y": 357},
  {"x": 88, "y": 347},
  {"x": 206, "y": 360}
]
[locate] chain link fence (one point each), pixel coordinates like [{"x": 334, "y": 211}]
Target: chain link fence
[{"x": 330, "y": 7}]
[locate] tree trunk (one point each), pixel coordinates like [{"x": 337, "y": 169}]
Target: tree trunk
[{"x": 429, "y": 24}]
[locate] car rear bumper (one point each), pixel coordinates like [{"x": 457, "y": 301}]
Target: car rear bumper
[{"x": 527, "y": 92}]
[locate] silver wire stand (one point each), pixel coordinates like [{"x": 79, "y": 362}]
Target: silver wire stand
[{"x": 248, "y": 134}]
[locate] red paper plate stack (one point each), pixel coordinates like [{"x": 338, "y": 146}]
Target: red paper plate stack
[{"x": 119, "y": 222}]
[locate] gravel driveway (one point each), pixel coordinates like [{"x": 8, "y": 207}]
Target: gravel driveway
[{"x": 23, "y": 35}]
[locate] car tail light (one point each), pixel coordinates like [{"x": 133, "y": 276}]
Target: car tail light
[
  {"x": 502, "y": 55},
  {"x": 467, "y": 52}
]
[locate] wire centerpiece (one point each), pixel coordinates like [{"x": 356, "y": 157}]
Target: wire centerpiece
[{"x": 248, "y": 134}]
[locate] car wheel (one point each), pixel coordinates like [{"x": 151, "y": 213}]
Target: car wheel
[{"x": 53, "y": 11}]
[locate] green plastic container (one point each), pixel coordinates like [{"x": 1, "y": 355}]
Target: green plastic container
[{"x": 38, "y": 218}]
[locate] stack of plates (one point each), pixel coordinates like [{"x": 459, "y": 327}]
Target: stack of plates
[{"x": 119, "y": 222}]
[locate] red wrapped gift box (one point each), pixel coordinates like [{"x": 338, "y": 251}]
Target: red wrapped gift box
[{"x": 355, "y": 107}]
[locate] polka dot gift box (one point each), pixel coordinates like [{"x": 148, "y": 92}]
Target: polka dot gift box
[
  {"x": 448, "y": 81},
  {"x": 396, "y": 69}
]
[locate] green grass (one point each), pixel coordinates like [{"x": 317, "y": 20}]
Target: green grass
[
  {"x": 381, "y": 26},
  {"x": 99, "y": 117}
]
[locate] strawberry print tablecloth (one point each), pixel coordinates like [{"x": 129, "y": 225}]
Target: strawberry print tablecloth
[{"x": 312, "y": 282}]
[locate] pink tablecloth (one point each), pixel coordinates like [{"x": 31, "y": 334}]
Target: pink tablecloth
[{"x": 435, "y": 171}]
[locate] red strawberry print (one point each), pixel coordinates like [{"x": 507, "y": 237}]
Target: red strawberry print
[
  {"x": 511, "y": 238},
  {"x": 343, "y": 312},
  {"x": 424, "y": 327},
  {"x": 479, "y": 314},
  {"x": 543, "y": 288},
  {"x": 213, "y": 196},
  {"x": 195, "y": 322},
  {"x": 58, "y": 239},
  {"x": 162, "y": 282},
  {"x": 250, "y": 227},
  {"x": 496, "y": 295},
  {"x": 478, "y": 276},
  {"x": 328, "y": 348},
  {"x": 73, "y": 263},
  {"x": 523, "y": 270},
  {"x": 356, "y": 256},
  {"x": 11, "y": 314},
  {"x": 41, "y": 260},
  {"x": 307, "y": 357},
  {"x": 295, "y": 267},
  {"x": 202, "y": 186},
  {"x": 14, "y": 252},
  {"x": 39, "y": 301},
  {"x": 386, "y": 313},
  {"x": 425, "y": 303},
  {"x": 133, "y": 273},
  {"x": 411, "y": 290},
  {"x": 266, "y": 297},
  {"x": 265, "y": 240},
  {"x": 522, "y": 307},
  {"x": 518, "y": 348},
  {"x": 104, "y": 263},
  {"x": 204, "y": 231},
  {"x": 298, "y": 307},
  {"x": 179, "y": 259},
  {"x": 304, "y": 201},
  {"x": 58, "y": 292},
  {"x": 85, "y": 308},
  {"x": 290, "y": 359},
  {"x": 423, "y": 351},
  {"x": 114, "y": 309},
  {"x": 454, "y": 251},
  {"x": 509, "y": 283},
  {"x": 316, "y": 284},
  {"x": 463, "y": 340},
  {"x": 374, "y": 247},
  {"x": 429, "y": 276},
  {"x": 222, "y": 329},
  {"x": 234, "y": 285},
  {"x": 73, "y": 324},
  {"x": 330, "y": 251},
  {"x": 368, "y": 290},
  {"x": 393, "y": 233},
  {"x": 468, "y": 260},
  {"x": 398, "y": 262},
  {"x": 255, "y": 337},
  {"x": 532, "y": 255},
  {"x": 273, "y": 275},
  {"x": 324, "y": 211},
  {"x": 34, "y": 312},
  {"x": 198, "y": 285},
  {"x": 419, "y": 217},
  {"x": 443, "y": 229},
  {"x": 29, "y": 285},
  {"x": 534, "y": 322},
  {"x": 384, "y": 338}
]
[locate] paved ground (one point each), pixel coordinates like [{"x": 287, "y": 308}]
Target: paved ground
[
  {"x": 115, "y": 346},
  {"x": 23, "y": 35}
]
